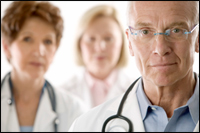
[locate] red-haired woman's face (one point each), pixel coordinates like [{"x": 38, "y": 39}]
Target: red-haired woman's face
[{"x": 33, "y": 50}]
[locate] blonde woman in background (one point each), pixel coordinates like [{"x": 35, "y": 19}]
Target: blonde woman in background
[
  {"x": 101, "y": 51},
  {"x": 31, "y": 33}
]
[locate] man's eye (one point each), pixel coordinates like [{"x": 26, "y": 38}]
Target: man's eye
[
  {"x": 145, "y": 32},
  {"x": 48, "y": 42},
  {"x": 176, "y": 30}
]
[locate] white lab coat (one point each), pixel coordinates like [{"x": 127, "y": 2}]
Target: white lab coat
[
  {"x": 78, "y": 86},
  {"x": 68, "y": 108},
  {"x": 94, "y": 119}
]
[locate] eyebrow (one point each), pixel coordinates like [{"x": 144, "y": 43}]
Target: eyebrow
[
  {"x": 30, "y": 33},
  {"x": 183, "y": 24},
  {"x": 143, "y": 24},
  {"x": 26, "y": 32}
]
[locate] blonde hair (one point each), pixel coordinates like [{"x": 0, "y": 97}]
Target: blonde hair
[{"x": 87, "y": 18}]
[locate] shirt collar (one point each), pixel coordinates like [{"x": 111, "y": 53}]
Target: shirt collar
[
  {"x": 193, "y": 102},
  {"x": 143, "y": 101}
]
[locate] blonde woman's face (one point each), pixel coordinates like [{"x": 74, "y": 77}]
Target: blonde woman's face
[
  {"x": 101, "y": 46},
  {"x": 33, "y": 50}
]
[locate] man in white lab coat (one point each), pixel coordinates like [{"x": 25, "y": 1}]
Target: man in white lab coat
[{"x": 163, "y": 37}]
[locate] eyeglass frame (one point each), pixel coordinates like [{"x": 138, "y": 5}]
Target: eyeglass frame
[{"x": 165, "y": 33}]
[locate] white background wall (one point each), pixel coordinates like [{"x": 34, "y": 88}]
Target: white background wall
[{"x": 63, "y": 65}]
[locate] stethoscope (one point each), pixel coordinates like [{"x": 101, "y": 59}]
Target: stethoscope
[
  {"x": 118, "y": 115},
  {"x": 51, "y": 94}
]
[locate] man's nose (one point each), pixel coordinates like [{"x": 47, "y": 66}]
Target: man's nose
[{"x": 162, "y": 46}]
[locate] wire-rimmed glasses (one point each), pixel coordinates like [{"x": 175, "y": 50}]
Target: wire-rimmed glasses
[{"x": 174, "y": 34}]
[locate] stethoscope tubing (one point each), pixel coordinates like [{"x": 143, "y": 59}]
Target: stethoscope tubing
[{"x": 118, "y": 115}]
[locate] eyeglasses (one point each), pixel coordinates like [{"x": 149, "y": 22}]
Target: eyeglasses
[{"x": 171, "y": 35}]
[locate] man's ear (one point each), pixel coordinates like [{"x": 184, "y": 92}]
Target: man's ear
[
  {"x": 197, "y": 44},
  {"x": 129, "y": 43},
  {"x": 6, "y": 48}
]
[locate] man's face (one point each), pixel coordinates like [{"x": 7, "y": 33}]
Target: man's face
[{"x": 160, "y": 61}]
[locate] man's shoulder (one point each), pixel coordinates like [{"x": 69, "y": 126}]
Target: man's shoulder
[{"x": 93, "y": 119}]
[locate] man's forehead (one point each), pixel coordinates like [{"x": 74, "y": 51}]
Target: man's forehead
[
  {"x": 160, "y": 10},
  {"x": 154, "y": 4},
  {"x": 160, "y": 6}
]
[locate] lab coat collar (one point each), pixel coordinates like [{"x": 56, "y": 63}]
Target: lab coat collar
[
  {"x": 9, "y": 121},
  {"x": 130, "y": 109},
  {"x": 45, "y": 115}
]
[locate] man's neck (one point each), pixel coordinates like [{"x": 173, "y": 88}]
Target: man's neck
[{"x": 170, "y": 97}]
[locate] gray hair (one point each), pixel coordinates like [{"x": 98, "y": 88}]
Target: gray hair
[
  {"x": 128, "y": 11},
  {"x": 194, "y": 9}
]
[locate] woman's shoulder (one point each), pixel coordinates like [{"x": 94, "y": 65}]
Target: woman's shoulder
[
  {"x": 124, "y": 78},
  {"x": 124, "y": 73},
  {"x": 73, "y": 81},
  {"x": 68, "y": 107},
  {"x": 67, "y": 100},
  {"x": 97, "y": 114}
]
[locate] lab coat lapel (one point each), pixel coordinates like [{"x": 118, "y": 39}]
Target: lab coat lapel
[
  {"x": 81, "y": 88},
  {"x": 120, "y": 86},
  {"x": 130, "y": 110},
  {"x": 9, "y": 121},
  {"x": 116, "y": 89},
  {"x": 12, "y": 122},
  {"x": 45, "y": 115},
  {"x": 85, "y": 92},
  {"x": 196, "y": 129}
]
